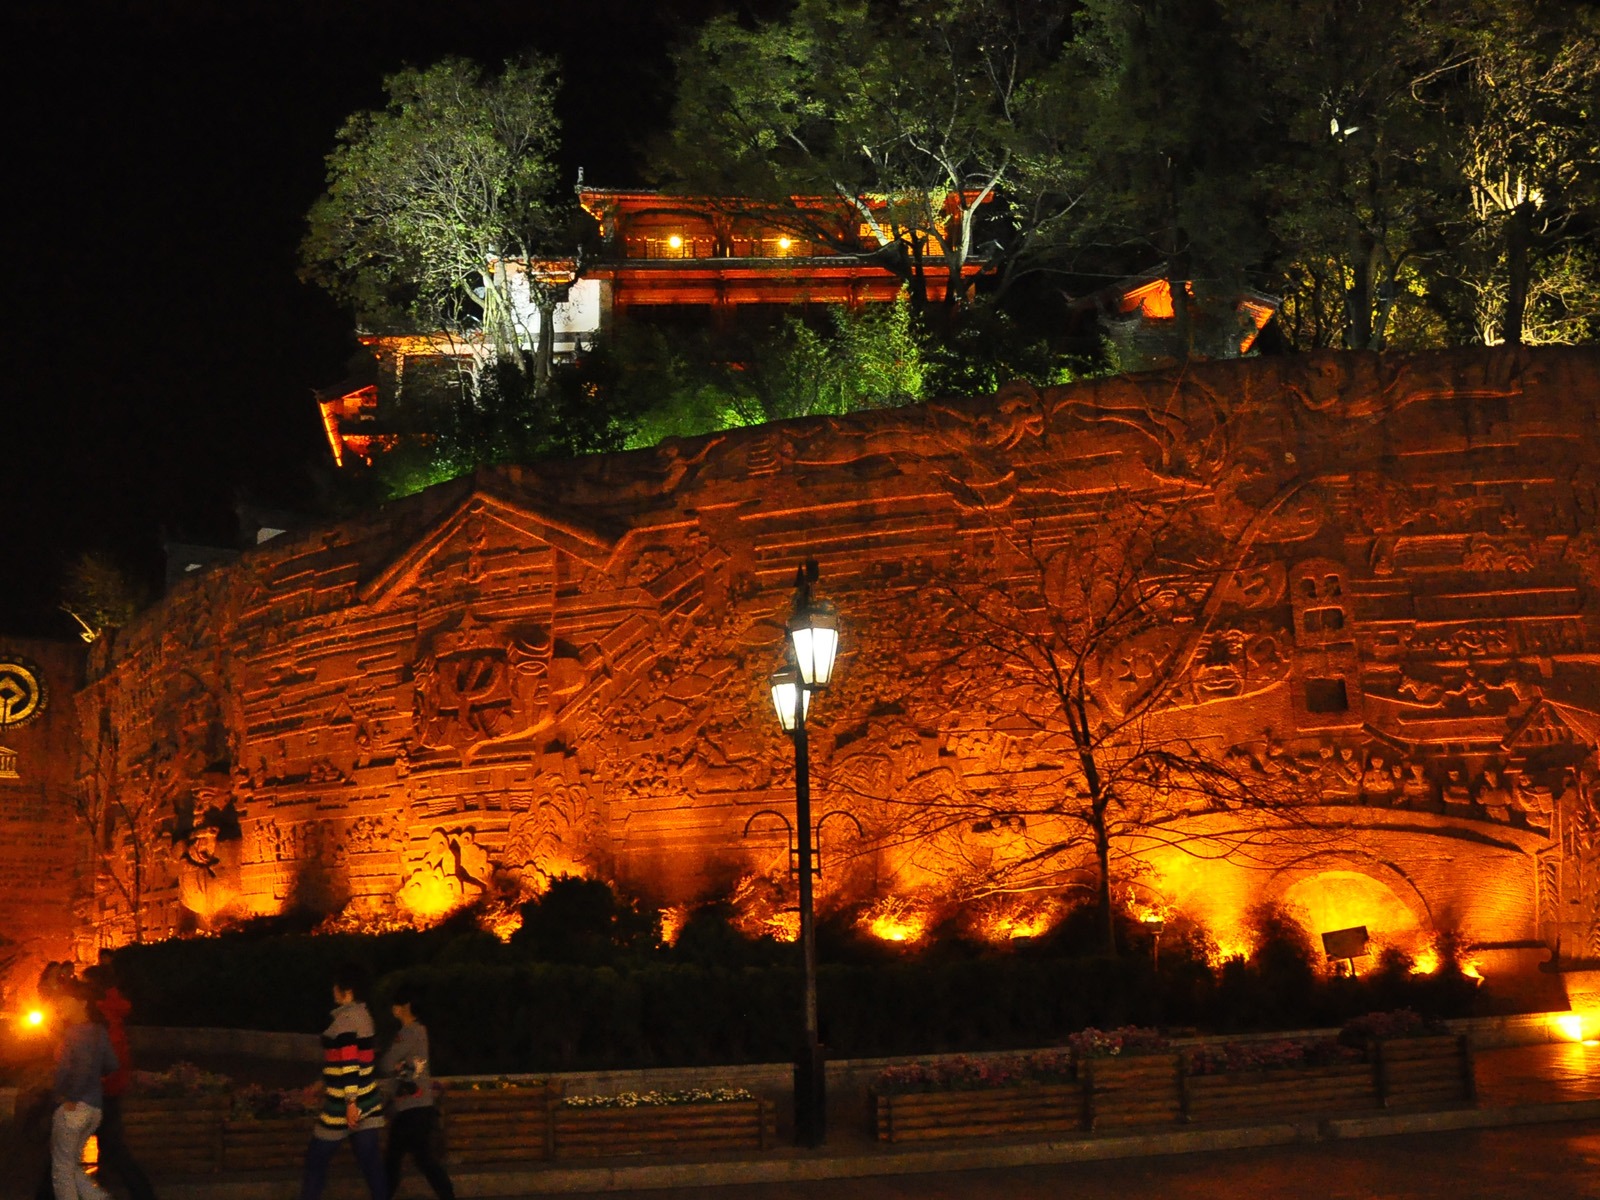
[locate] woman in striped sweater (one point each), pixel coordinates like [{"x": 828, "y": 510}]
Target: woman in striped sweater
[{"x": 352, "y": 1106}]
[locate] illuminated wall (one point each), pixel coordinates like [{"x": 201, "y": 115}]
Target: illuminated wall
[
  {"x": 561, "y": 667},
  {"x": 41, "y": 832}
]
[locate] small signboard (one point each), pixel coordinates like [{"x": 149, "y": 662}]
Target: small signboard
[{"x": 1345, "y": 943}]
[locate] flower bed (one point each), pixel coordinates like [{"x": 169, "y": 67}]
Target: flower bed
[
  {"x": 1245, "y": 1081},
  {"x": 1126, "y": 1078},
  {"x": 694, "y": 1120},
  {"x": 1141, "y": 1089},
  {"x": 499, "y": 1121},
  {"x": 1116, "y": 1077}
]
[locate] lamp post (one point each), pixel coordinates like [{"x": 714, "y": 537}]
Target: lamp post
[{"x": 813, "y": 642}]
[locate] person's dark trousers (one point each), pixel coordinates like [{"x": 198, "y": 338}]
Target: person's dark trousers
[
  {"x": 114, "y": 1155},
  {"x": 412, "y": 1131},
  {"x": 319, "y": 1156}
]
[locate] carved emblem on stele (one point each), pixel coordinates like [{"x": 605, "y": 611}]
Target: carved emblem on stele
[{"x": 21, "y": 693}]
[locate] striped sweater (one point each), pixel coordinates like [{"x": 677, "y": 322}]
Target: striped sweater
[{"x": 348, "y": 1057}]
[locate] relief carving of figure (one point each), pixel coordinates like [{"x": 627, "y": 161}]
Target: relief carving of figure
[
  {"x": 1377, "y": 784},
  {"x": 1532, "y": 799},
  {"x": 1494, "y": 795},
  {"x": 207, "y": 866},
  {"x": 1417, "y": 788}
]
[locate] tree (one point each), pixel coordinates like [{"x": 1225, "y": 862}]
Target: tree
[
  {"x": 1082, "y": 650},
  {"x": 120, "y": 818},
  {"x": 1522, "y": 101},
  {"x": 913, "y": 116},
  {"x": 99, "y": 595},
  {"x": 1351, "y": 181},
  {"x": 439, "y": 211},
  {"x": 1176, "y": 142}
]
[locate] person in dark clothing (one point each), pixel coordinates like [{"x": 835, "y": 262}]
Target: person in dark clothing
[
  {"x": 352, "y": 1107},
  {"x": 83, "y": 1058},
  {"x": 115, "y": 1157},
  {"x": 414, "y": 1121}
]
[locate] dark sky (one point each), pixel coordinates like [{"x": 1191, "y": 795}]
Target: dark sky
[{"x": 160, "y": 157}]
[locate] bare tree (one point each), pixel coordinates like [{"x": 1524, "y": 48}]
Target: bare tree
[
  {"x": 1081, "y": 653},
  {"x": 119, "y": 818}
]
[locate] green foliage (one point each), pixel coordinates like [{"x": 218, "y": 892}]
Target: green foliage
[
  {"x": 584, "y": 921},
  {"x": 918, "y": 115},
  {"x": 505, "y": 418},
  {"x": 686, "y": 383},
  {"x": 99, "y": 595},
  {"x": 869, "y": 358},
  {"x": 585, "y": 985},
  {"x": 425, "y": 195}
]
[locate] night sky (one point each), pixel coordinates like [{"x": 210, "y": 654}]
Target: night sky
[{"x": 160, "y": 160}]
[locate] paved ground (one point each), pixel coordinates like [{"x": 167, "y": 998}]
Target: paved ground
[{"x": 1541, "y": 1162}]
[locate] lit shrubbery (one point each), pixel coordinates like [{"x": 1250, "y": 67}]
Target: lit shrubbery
[{"x": 586, "y": 984}]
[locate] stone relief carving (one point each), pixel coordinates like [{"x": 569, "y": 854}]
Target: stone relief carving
[{"x": 646, "y": 667}]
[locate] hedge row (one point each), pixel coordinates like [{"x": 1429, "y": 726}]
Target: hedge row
[{"x": 491, "y": 1013}]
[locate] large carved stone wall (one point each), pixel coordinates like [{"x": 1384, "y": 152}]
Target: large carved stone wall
[
  {"x": 40, "y": 825},
  {"x": 562, "y": 667}
]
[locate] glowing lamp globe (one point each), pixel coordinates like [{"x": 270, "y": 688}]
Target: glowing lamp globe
[
  {"x": 789, "y": 698},
  {"x": 814, "y": 634}
]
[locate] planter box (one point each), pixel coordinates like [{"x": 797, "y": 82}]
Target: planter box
[
  {"x": 1281, "y": 1092},
  {"x": 503, "y": 1125},
  {"x": 1425, "y": 1072},
  {"x": 182, "y": 1135},
  {"x": 663, "y": 1129},
  {"x": 270, "y": 1144},
  {"x": 985, "y": 1112},
  {"x": 1142, "y": 1089}
]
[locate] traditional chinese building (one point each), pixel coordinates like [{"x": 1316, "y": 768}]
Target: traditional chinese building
[{"x": 691, "y": 260}]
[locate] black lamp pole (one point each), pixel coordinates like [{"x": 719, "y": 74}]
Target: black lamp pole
[
  {"x": 808, "y": 629},
  {"x": 810, "y": 1077}
]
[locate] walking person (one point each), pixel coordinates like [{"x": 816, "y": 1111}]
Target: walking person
[
  {"x": 352, "y": 1107},
  {"x": 82, "y": 1059},
  {"x": 115, "y": 1157},
  {"x": 414, "y": 1121}
]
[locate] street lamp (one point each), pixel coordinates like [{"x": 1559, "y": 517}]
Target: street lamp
[{"x": 813, "y": 643}]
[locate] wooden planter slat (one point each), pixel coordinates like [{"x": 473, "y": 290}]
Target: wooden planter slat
[
  {"x": 1125, "y": 1092},
  {"x": 175, "y": 1134},
  {"x": 1426, "y": 1072},
  {"x": 928, "y": 1116},
  {"x": 498, "y": 1125},
  {"x": 273, "y": 1143}
]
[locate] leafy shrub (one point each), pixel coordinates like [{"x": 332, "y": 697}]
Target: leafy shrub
[
  {"x": 1222, "y": 1057},
  {"x": 965, "y": 1075},
  {"x": 1112, "y": 1043},
  {"x": 584, "y": 921}
]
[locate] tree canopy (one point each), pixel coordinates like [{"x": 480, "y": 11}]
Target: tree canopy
[
  {"x": 919, "y": 117},
  {"x": 440, "y": 205}
]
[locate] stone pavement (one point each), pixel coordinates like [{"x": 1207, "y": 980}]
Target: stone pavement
[{"x": 1518, "y": 1086}]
